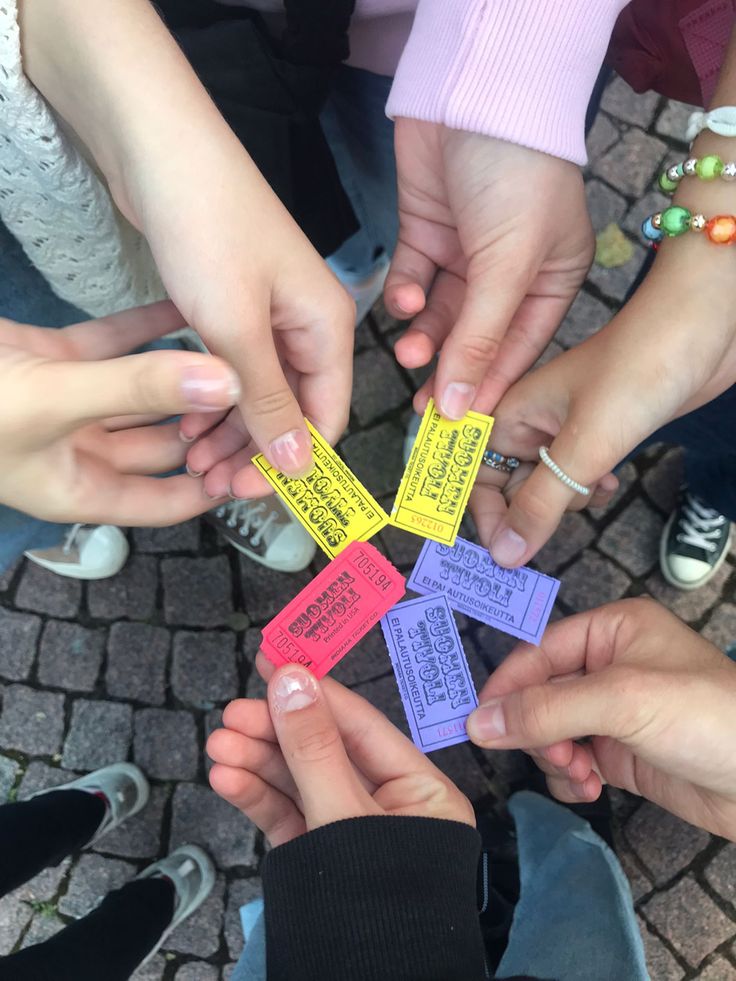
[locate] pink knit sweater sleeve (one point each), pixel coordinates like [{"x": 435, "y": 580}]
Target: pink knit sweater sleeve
[{"x": 519, "y": 70}]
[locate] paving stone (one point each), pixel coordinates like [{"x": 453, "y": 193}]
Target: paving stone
[
  {"x": 586, "y": 316},
  {"x": 491, "y": 645},
  {"x": 265, "y": 592},
  {"x": 99, "y": 734},
  {"x": 8, "y": 772},
  {"x": 689, "y": 919},
  {"x": 378, "y": 386},
  {"x": 640, "y": 883},
  {"x": 603, "y": 134},
  {"x": 591, "y": 581},
  {"x": 384, "y": 694},
  {"x": 633, "y": 538},
  {"x": 401, "y": 548},
  {"x": 18, "y": 635},
  {"x": 165, "y": 744},
  {"x": 672, "y": 121},
  {"x": 365, "y": 339},
  {"x": 239, "y": 893},
  {"x": 375, "y": 456},
  {"x": 721, "y": 873},
  {"x": 45, "y": 592},
  {"x": 201, "y": 817},
  {"x": 461, "y": 766},
  {"x": 92, "y": 878},
  {"x": 197, "y": 592},
  {"x": 384, "y": 322},
  {"x": 197, "y": 970},
  {"x": 15, "y": 911},
  {"x": 70, "y": 655},
  {"x": 604, "y": 205},
  {"x": 6, "y": 577},
  {"x": 41, "y": 776},
  {"x": 256, "y": 686},
  {"x": 31, "y": 721},
  {"x": 632, "y": 163},
  {"x": 131, "y": 594},
  {"x": 572, "y": 537},
  {"x": 617, "y": 282},
  {"x": 227, "y": 971},
  {"x": 662, "y": 964},
  {"x": 200, "y": 934},
  {"x": 152, "y": 971},
  {"x": 621, "y": 101},
  {"x": 721, "y": 628},
  {"x": 663, "y": 842},
  {"x": 43, "y": 927},
  {"x": 662, "y": 481},
  {"x": 203, "y": 668},
  {"x": 368, "y": 659},
  {"x": 623, "y": 804},
  {"x": 550, "y": 352},
  {"x": 176, "y": 538},
  {"x": 642, "y": 208},
  {"x": 251, "y": 645},
  {"x": 718, "y": 970},
  {"x": 689, "y": 605},
  {"x": 626, "y": 475},
  {"x": 136, "y": 662},
  {"x": 139, "y": 836}
]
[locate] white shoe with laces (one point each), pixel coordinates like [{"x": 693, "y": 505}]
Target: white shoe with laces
[
  {"x": 191, "y": 872},
  {"x": 265, "y": 531},
  {"x": 87, "y": 552},
  {"x": 694, "y": 543}
]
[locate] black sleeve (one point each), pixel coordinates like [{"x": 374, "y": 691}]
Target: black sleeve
[{"x": 389, "y": 898}]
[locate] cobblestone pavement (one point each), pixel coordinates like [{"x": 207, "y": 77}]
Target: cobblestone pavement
[{"x": 140, "y": 666}]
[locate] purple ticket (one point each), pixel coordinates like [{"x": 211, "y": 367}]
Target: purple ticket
[
  {"x": 518, "y": 601},
  {"x": 431, "y": 670}
]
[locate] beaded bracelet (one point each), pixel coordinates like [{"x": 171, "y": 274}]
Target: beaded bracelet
[
  {"x": 675, "y": 221},
  {"x": 706, "y": 168}
]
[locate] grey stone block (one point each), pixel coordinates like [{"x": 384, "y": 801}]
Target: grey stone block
[
  {"x": 70, "y": 655},
  {"x": 99, "y": 734},
  {"x": 200, "y": 817},
  {"x": 18, "y": 636},
  {"x": 200, "y": 933},
  {"x": 136, "y": 662},
  {"x": 92, "y": 878},
  {"x": 45, "y": 592},
  {"x": 166, "y": 745},
  {"x": 31, "y": 721},
  {"x": 197, "y": 592},
  {"x": 130, "y": 594},
  {"x": 203, "y": 669}
]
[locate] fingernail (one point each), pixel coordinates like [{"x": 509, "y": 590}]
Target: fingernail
[
  {"x": 456, "y": 400},
  {"x": 194, "y": 473},
  {"x": 293, "y": 691},
  {"x": 204, "y": 388},
  {"x": 292, "y": 453},
  {"x": 186, "y": 439},
  {"x": 507, "y": 548},
  {"x": 578, "y": 790},
  {"x": 487, "y": 722}
]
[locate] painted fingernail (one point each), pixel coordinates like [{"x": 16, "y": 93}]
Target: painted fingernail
[
  {"x": 456, "y": 400},
  {"x": 507, "y": 548},
  {"x": 294, "y": 690},
  {"x": 292, "y": 453},
  {"x": 206, "y": 388},
  {"x": 194, "y": 473},
  {"x": 487, "y": 722}
]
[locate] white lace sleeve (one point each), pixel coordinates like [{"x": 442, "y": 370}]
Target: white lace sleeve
[{"x": 56, "y": 205}]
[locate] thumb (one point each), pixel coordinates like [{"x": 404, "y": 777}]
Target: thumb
[
  {"x": 609, "y": 703},
  {"x": 157, "y": 382},
  {"x": 313, "y": 749}
]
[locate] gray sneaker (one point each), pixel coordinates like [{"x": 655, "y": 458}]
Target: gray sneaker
[{"x": 265, "y": 531}]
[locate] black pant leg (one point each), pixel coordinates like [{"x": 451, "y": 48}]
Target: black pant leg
[
  {"x": 40, "y": 832},
  {"x": 106, "y": 945}
]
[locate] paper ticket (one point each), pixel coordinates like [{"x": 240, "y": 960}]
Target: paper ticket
[
  {"x": 431, "y": 670},
  {"x": 518, "y": 601},
  {"x": 330, "y": 502},
  {"x": 332, "y": 613},
  {"x": 439, "y": 476}
]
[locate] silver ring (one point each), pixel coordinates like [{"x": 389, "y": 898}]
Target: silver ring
[
  {"x": 560, "y": 473},
  {"x": 497, "y": 461}
]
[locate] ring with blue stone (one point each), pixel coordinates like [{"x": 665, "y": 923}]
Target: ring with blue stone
[{"x": 497, "y": 461}]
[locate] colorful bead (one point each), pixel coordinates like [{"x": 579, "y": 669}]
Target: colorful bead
[
  {"x": 674, "y": 174},
  {"x": 650, "y": 232},
  {"x": 689, "y": 167},
  {"x": 666, "y": 184},
  {"x": 657, "y": 220},
  {"x": 675, "y": 221},
  {"x": 697, "y": 223},
  {"x": 729, "y": 172},
  {"x": 709, "y": 167},
  {"x": 721, "y": 229}
]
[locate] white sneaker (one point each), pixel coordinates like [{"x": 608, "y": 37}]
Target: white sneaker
[
  {"x": 87, "y": 552},
  {"x": 266, "y": 531},
  {"x": 365, "y": 291},
  {"x": 123, "y": 786},
  {"x": 192, "y": 874}
]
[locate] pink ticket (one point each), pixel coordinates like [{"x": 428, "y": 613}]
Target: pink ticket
[{"x": 330, "y": 615}]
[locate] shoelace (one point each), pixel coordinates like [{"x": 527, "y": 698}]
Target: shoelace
[
  {"x": 71, "y": 538},
  {"x": 249, "y": 514},
  {"x": 700, "y": 525}
]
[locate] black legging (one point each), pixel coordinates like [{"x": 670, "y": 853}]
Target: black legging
[{"x": 111, "y": 941}]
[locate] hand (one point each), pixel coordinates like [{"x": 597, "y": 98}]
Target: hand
[
  {"x": 318, "y": 753},
  {"x": 494, "y": 243},
  {"x": 658, "y": 700},
  {"x": 64, "y": 456}
]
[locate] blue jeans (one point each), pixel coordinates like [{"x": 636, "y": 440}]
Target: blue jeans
[{"x": 575, "y": 918}]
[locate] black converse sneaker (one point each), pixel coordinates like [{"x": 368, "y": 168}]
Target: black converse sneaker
[
  {"x": 694, "y": 543},
  {"x": 265, "y": 531}
]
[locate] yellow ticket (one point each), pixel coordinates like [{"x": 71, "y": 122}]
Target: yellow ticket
[
  {"x": 440, "y": 474},
  {"x": 330, "y": 501}
]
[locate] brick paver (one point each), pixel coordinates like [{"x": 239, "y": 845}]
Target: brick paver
[{"x": 140, "y": 667}]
